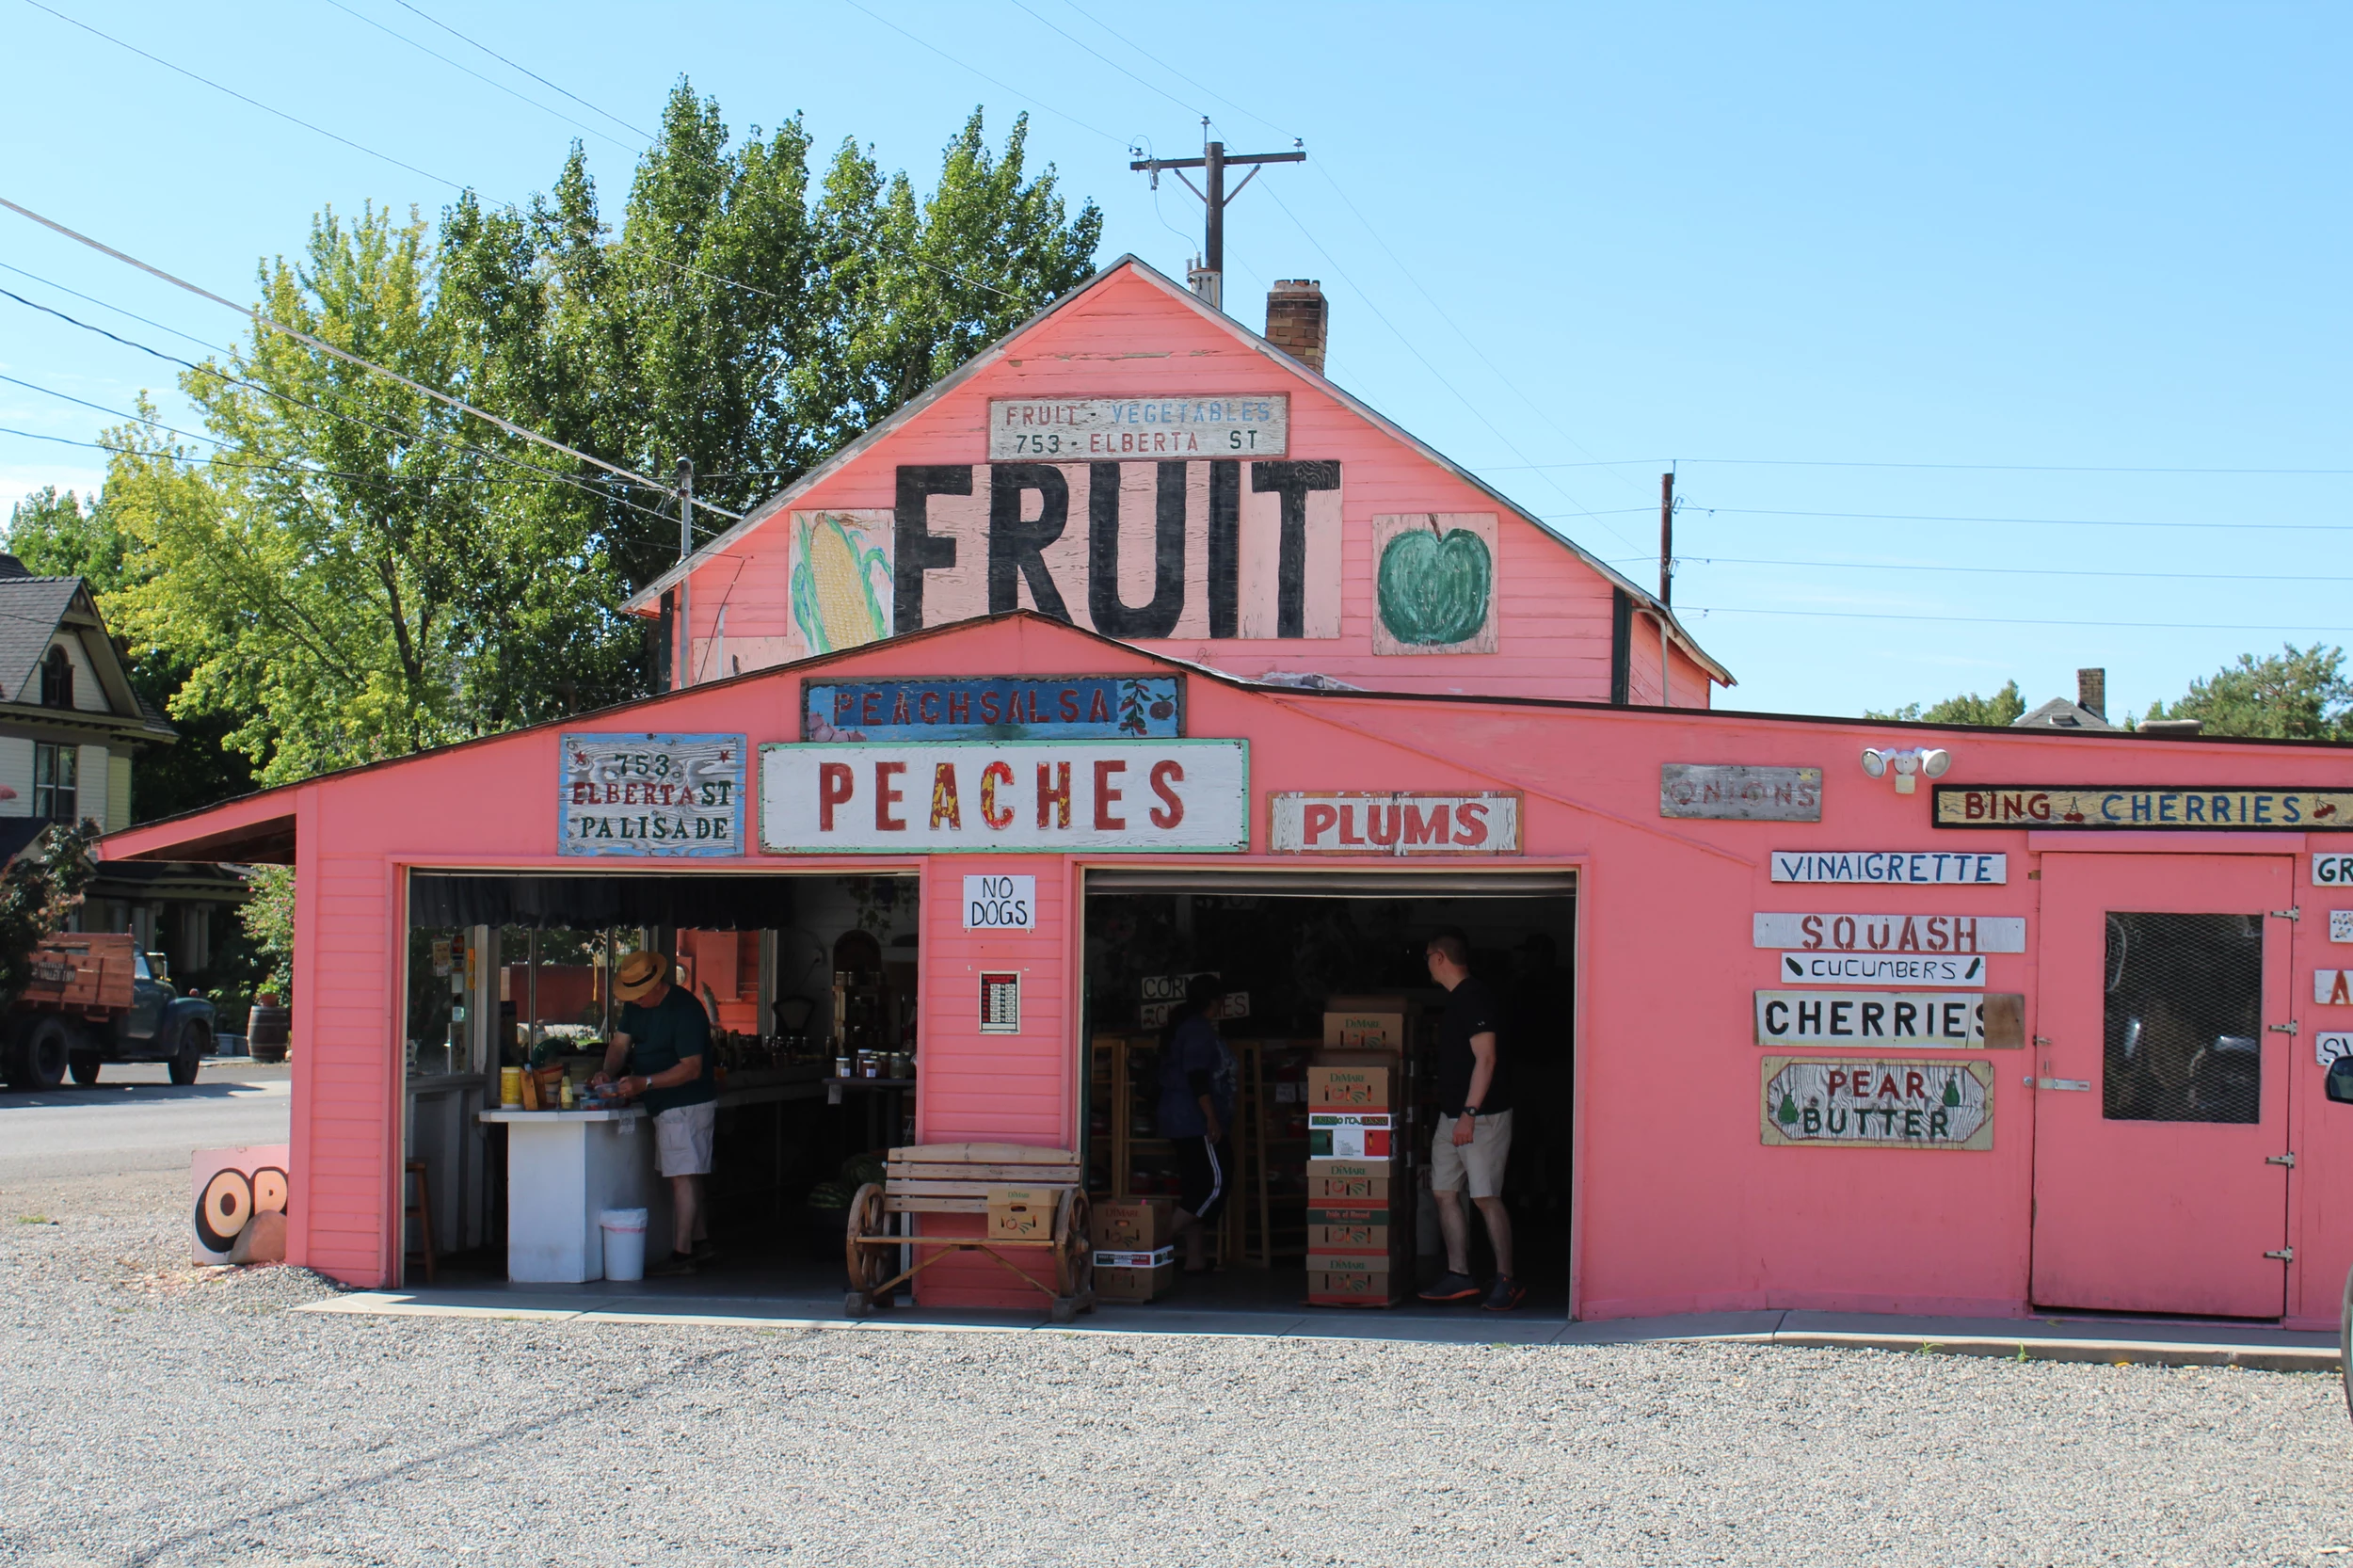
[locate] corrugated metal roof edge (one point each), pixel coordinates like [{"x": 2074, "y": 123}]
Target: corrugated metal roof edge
[{"x": 644, "y": 600}]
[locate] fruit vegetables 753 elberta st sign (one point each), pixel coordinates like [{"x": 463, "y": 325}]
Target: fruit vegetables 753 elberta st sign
[{"x": 651, "y": 794}]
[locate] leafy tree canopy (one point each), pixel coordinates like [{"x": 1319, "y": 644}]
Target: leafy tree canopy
[
  {"x": 1969, "y": 707},
  {"x": 2295, "y": 695}
]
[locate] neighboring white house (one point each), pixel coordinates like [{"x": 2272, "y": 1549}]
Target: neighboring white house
[{"x": 69, "y": 725}]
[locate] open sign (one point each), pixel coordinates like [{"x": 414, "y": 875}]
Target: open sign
[{"x": 1000, "y": 904}]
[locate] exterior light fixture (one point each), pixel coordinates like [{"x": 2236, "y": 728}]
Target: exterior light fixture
[{"x": 1907, "y": 765}]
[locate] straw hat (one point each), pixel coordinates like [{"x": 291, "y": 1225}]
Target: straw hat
[{"x": 639, "y": 972}]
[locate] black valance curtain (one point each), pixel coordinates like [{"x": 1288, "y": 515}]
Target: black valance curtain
[{"x": 593, "y": 903}]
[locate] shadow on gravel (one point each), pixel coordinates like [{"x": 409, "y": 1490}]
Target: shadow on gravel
[{"x": 104, "y": 1094}]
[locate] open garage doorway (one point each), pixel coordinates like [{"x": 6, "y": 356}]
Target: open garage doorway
[{"x": 1323, "y": 996}]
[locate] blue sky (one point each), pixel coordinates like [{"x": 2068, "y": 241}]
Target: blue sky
[{"x": 1985, "y": 344}]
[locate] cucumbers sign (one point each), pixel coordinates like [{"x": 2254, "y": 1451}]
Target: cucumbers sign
[{"x": 1434, "y": 580}]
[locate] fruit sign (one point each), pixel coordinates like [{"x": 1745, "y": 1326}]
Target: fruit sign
[
  {"x": 1434, "y": 583},
  {"x": 979, "y": 796},
  {"x": 1857, "y": 1103},
  {"x": 242, "y": 1197},
  {"x": 1133, "y": 428}
]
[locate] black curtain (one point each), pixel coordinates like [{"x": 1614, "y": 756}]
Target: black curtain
[{"x": 438, "y": 901}]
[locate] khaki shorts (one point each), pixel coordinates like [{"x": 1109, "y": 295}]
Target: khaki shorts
[
  {"x": 682, "y": 1137},
  {"x": 1477, "y": 1163}
]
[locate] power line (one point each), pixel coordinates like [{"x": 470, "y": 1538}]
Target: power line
[
  {"x": 93, "y": 299},
  {"x": 2001, "y": 572},
  {"x": 1976, "y": 468},
  {"x": 241, "y": 98},
  {"x": 643, "y": 135},
  {"x": 110, "y": 413},
  {"x": 326, "y": 347},
  {"x": 479, "y": 77},
  {"x": 2038, "y": 522},
  {"x": 2014, "y": 620},
  {"x": 1170, "y": 68},
  {"x": 976, "y": 71}
]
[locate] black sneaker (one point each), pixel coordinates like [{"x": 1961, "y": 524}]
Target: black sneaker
[
  {"x": 676, "y": 1264},
  {"x": 1505, "y": 1294},
  {"x": 706, "y": 1254},
  {"x": 1452, "y": 1286}
]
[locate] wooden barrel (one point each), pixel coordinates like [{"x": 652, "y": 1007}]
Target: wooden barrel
[{"x": 267, "y": 1033}]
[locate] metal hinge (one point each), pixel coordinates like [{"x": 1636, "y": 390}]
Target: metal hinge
[
  {"x": 2294, "y": 912},
  {"x": 2288, "y": 1027},
  {"x": 2288, "y": 1159},
  {"x": 2285, "y": 1254}
]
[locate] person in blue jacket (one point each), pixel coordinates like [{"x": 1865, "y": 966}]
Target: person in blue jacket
[{"x": 1197, "y": 1110}]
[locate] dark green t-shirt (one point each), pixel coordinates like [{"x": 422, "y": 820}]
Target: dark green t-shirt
[{"x": 662, "y": 1036}]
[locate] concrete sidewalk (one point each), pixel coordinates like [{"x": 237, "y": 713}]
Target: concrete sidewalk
[{"x": 2134, "y": 1341}]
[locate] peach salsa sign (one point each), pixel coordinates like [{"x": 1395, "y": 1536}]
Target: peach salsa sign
[
  {"x": 1052, "y": 796},
  {"x": 1399, "y": 822}
]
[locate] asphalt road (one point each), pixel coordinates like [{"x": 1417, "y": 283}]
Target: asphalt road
[{"x": 134, "y": 1119}]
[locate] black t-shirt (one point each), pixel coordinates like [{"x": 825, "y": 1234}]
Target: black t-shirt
[{"x": 1471, "y": 1009}]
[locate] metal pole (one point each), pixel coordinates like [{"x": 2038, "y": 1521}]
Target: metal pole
[
  {"x": 685, "y": 582},
  {"x": 1213, "y": 240},
  {"x": 1666, "y": 577}
]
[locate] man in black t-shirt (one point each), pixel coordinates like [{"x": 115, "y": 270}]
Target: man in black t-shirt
[{"x": 1473, "y": 1139}]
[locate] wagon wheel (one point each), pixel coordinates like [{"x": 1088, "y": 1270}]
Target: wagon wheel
[
  {"x": 869, "y": 1266},
  {"x": 1080, "y": 1257}
]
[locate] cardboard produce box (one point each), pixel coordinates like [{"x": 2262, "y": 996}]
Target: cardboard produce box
[
  {"x": 1131, "y": 1224},
  {"x": 1348, "y": 1088},
  {"x": 1134, "y": 1275},
  {"x": 1334, "y": 1280},
  {"x": 1331, "y": 1229},
  {"x": 1350, "y": 1181},
  {"x": 1350, "y": 1135},
  {"x": 1021, "y": 1213},
  {"x": 1366, "y": 1023}
]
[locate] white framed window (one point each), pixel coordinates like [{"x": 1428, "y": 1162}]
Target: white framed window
[{"x": 55, "y": 769}]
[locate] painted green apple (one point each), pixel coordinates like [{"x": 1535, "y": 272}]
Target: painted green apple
[{"x": 1434, "y": 590}]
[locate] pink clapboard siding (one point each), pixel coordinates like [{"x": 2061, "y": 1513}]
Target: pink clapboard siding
[
  {"x": 1129, "y": 335},
  {"x": 1679, "y": 1206}
]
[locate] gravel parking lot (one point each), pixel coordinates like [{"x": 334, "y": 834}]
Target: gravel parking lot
[{"x": 154, "y": 1414}]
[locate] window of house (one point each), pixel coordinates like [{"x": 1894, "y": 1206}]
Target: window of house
[
  {"x": 53, "y": 792},
  {"x": 57, "y": 678}
]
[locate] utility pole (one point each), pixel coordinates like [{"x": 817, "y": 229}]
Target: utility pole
[
  {"x": 1666, "y": 577},
  {"x": 686, "y": 549},
  {"x": 1208, "y": 277}
]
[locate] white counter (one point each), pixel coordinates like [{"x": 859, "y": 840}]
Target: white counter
[{"x": 563, "y": 1168}]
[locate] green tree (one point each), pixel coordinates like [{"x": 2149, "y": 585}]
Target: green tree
[
  {"x": 2294, "y": 695},
  {"x": 1969, "y": 707},
  {"x": 56, "y": 534},
  {"x": 38, "y": 890}
]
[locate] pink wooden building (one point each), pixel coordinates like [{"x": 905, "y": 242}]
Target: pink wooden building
[{"x": 1821, "y": 1013}]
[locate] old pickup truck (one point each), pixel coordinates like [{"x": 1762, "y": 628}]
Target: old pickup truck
[{"x": 94, "y": 998}]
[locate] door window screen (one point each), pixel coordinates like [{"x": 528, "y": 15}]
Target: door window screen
[{"x": 2184, "y": 1018}]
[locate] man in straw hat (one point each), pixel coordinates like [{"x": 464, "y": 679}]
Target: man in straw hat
[{"x": 663, "y": 1038}]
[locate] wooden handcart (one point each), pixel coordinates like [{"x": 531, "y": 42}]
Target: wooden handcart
[{"x": 956, "y": 1179}]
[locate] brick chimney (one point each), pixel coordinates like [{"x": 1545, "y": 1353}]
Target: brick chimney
[
  {"x": 2091, "y": 691},
  {"x": 1297, "y": 320}
]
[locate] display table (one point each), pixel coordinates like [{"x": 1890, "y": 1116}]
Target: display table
[{"x": 564, "y": 1169}]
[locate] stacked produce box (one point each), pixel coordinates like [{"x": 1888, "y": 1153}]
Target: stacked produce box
[
  {"x": 1359, "y": 1228},
  {"x": 1134, "y": 1259}
]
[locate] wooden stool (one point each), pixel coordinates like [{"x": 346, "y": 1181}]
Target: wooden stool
[{"x": 422, "y": 1212}]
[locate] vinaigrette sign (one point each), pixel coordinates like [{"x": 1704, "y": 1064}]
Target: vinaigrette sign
[{"x": 651, "y": 794}]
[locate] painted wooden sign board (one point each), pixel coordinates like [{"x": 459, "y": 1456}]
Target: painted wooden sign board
[
  {"x": 2330, "y": 1044},
  {"x": 1395, "y": 822},
  {"x": 2341, "y": 925},
  {"x": 1434, "y": 577},
  {"x": 1938, "y": 867},
  {"x": 1732, "y": 792},
  {"x": 1996, "y": 1021},
  {"x": 979, "y": 796},
  {"x": 649, "y": 794},
  {"x": 1890, "y": 932},
  {"x": 2140, "y": 808},
  {"x": 1137, "y": 550},
  {"x": 1882, "y": 968},
  {"x": 2332, "y": 987},
  {"x": 1858, "y": 1102},
  {"x": 996, "y": 708},
  {"x": 1000, "y": 904},
  {"x": 2332, "y": 871},
  {"x": 1129, "y": 429}
]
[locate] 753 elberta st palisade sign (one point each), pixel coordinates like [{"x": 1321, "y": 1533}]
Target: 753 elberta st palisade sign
[{"x": 651, "y": 794}]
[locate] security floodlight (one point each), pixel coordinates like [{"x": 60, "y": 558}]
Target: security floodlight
[{"x": 1874, "y": 761}]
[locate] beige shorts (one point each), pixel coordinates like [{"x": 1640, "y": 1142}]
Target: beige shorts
[
  {"x": 683, "y": 1138},
  {"x": 1477, "y": 1163}
]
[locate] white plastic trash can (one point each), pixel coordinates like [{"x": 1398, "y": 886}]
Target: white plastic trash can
[{"x": 624, "y": 1242}]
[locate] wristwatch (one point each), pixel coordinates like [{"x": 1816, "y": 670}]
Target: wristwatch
[{"x": 1470, "y": 1111}]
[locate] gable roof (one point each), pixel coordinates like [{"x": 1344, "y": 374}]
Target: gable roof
[
  {"x": 646, "y": 601},
  {"x": 2062, "y": 713},
  {"x": 33, "y": 610}
]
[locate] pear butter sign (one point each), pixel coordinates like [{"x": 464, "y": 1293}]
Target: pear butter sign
[{"x": 1861, "y": 1102}]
